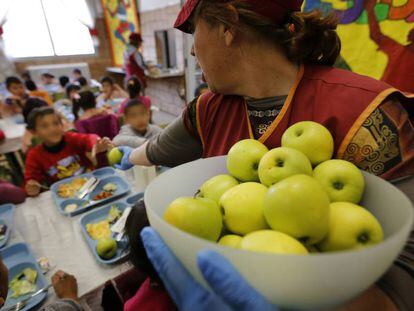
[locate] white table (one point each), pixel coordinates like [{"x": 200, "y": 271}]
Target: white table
[
  {"x": 59, "y": 238},
  {"x": 14, "y": 133}
]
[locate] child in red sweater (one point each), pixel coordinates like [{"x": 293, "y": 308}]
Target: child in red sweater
[{"x": 61, "y": 154}]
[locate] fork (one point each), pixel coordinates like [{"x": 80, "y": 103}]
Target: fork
[{"x": 21, "y": 304}]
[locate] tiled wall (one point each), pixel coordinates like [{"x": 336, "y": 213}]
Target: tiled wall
[{"x": 160, "y": 19}]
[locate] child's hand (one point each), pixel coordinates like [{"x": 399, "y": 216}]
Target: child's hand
[
  {"x": 102, "y": 145},
  {"x": 32, "y": 188},
  {"x": 65, "y": 285}
]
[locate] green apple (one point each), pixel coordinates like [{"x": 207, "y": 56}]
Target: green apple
[
  {"x": 312, "y": 138},
  {"x": 230, "y": 240},
  {"x": 342, "y": 180},
  {"x": 114, "y": 156},
  {"x": 282, "y": 162},
  {"x": 269, "y": 241},
  {"x": 243, "y": 159},
  {"x": 106, "y": 248},
  {"x": 351, "y": 227},
  {"x": 216, "y": 186},
  {"x": 198, "y": 216},
  {"x": 299, "y": 207},
  {"x": 242, "y": 208}
]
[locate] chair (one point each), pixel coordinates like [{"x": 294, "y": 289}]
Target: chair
[{"x": 102, "y": 125}]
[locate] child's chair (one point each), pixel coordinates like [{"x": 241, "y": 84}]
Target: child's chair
[{"x": 102, "y": 125}]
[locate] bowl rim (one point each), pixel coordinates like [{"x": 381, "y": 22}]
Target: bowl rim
[{"x": 409, "y": 223}]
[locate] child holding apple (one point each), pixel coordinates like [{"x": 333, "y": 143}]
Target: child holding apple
[{"x": 61, "y": 154}]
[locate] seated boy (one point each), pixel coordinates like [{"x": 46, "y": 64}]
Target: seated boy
[
  {"x": 138, "y": 128},
  {"x": 15, "y": 103},
  {"x": 60, "y": 155}
]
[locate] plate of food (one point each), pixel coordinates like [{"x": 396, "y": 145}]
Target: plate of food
[
  {"x": 102, "y": 229},
  {"x": 6, "y": 223},
  {"x": 25, "y": 276},
  {"x": 72, "y": 197}
]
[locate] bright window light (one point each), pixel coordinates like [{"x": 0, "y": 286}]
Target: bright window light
[{"x": 36, "y": 28}]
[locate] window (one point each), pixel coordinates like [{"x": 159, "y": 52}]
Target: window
[{"x": 36, "y": 28}]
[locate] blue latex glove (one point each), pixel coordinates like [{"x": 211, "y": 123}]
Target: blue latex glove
[
  {"x": 125, "y": 163},
  {"x": 230, "y": 290}
]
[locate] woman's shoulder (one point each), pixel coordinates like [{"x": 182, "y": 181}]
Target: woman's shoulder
[{"x": 340, "y": 78}]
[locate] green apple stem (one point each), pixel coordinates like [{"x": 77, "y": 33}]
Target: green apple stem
[
  {"x": 363, "y": 238},
  {"x": 197, "y": 194}
]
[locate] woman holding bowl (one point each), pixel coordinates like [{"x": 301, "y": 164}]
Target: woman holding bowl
[{"x": 269, "y": 65}]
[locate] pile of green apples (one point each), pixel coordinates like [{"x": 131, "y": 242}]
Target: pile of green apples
[{"x": 294, "y": 199}]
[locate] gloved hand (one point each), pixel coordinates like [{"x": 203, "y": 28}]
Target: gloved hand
[
  {"x": 125, "y": 163},
  {"x": 230, "y": 290}
]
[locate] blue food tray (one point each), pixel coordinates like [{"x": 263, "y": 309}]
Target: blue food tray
[
  {"x": 101, "y": 214},
  {"x": 104, "y": 175},
  {"x": 16, "y": 258},
  {"x": 6, "y": 218}
]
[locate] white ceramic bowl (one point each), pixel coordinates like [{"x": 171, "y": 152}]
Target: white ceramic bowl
[{"x": 316, "y": 281}]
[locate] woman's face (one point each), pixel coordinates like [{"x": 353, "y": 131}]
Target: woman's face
[{"x": 214, "y": 56}]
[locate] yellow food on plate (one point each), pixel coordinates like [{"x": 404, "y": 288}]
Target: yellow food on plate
[
  {"x": 99, "y": 230},
  {"x": 69, "y": 189}
]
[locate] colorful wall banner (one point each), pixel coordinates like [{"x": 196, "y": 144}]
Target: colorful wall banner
[
  {"x": 121, "y": 19},
  {"x": 376, "y": 35}
]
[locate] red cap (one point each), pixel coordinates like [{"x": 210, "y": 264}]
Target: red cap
[
  {"x": 135, "y": 37},
  {"x": 275, "y": 10}
]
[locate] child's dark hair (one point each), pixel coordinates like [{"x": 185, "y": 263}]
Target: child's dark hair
[
  {"x": 63, "y": 81},
  {"x": 132, "y": 103},
  {"x": 31, "y": 104},
  {"x": 86, "y": 101},
  {"x": 134, "y": 87},
  {"x": 70, "y": 88},
  {"x": 136, "y": 221},
  {"x": 12, "y": 80},
  {"x": 31, "y": 85},
  {"x": 77, "y": 71},
  {"x": 82, "y": 81},
  {"x": 37, "y": 113},
  {"x": 107, "y": 79}
]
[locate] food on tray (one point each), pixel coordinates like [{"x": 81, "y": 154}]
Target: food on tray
[
  {"x": 294, "y": 199},
  {"x": 99, "y": 230},
  {"x": 71, "y": 208},
  {"x": 107, "y": 191},
  {"x": 102, "y": 229},
  {"x": 3, "y": 230},
  {"x": 23, "y": 283},
  {"x": 114, "y": 214},
  {"x": 110, "y": 187},
  {"x": 69, "y": 189},
  {"x": 106, "y": 248}
]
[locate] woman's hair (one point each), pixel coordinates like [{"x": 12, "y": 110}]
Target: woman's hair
[
  {"x": 70, "y": 88},
  {"x": 107, "y": 79},
  {"x": 133, "y": 86},
  {"x": 37, "y": 113},
  {"x": 86, "y": 101},
  {"x": 30, "y": 85},
  {"x": 136, "y": 221},
  {"x": 31, "y": 104},
  {"x": 305, "y": 37}
]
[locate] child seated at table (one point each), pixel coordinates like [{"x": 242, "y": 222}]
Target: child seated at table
[
  {"x": 110, "y": 91},
  {"x": 15, "y": 103},
  {"x": 84, "y": 107},
  {"x": 61, "y": 154},
  {"x": 134, "y": 87},
  {"x": 138, "y": 128}
]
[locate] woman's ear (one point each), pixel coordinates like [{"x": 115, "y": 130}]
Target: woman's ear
[{"x": 230, "y": 32}]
